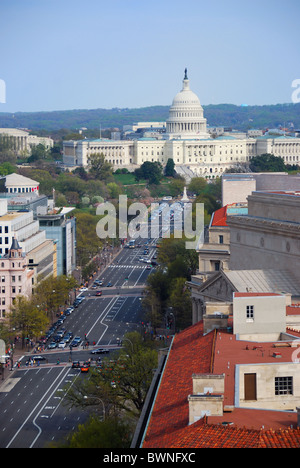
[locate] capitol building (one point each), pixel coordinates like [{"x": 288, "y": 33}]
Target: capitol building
[{"x": 187, "y": 141}]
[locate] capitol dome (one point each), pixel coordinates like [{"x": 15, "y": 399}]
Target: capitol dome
[{"x": 186, "y": 119}]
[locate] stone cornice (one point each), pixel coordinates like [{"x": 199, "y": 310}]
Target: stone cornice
[{"x": 264, "y": 224}]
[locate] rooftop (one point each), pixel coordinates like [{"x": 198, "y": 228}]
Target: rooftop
[
  {"x": 219, "y": 217},
  {"x": 216, "y": 353},
  {"x": 19, "y": 180}
]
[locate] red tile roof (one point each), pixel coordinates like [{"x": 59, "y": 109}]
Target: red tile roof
[
  {"x": 217, "y": 352},
  {"x": 191, "y": 353},
  {"x": 220, "y": 217},
  {"x": 203, "y": 435}
]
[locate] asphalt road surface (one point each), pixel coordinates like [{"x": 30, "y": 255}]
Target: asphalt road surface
[{"x": 33, "y": 413}]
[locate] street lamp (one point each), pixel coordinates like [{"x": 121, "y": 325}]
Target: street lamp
[
  {"x": 99, "y": 399},
  {"x": 127, "y": 339}
]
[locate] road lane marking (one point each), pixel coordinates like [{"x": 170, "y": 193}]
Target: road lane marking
[{"x": 34, "y": 409}]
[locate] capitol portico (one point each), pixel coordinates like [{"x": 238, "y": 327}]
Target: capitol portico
[{"x": 186, "y": 141}]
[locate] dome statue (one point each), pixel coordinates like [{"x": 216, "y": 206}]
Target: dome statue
[{"x": 186, "y": 119}]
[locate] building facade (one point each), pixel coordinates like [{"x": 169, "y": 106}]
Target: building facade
[
  {"x": 39, "y": 251},
  {"x": 15, "y": 276},
  {"x": 186, "y": 141},
  {"x": 21, "y": 140},
  {"x": 61, "y": 229},
  {"x": 269, "y": 235}
]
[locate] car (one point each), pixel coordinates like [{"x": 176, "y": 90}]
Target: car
[
  {"x": 99, "y": 293},
  {"x": 69, "y": 310},
  {"x": 83, "y": 289},
  {"x": 76, "y": 365},
  {"x": 85, "y": 367},
  {"x": 57, "y": 338},
  {"x": 68, "y": 337},
  {"x": 100, "y": 351},
  {"x": 109, "y": 285},
  {"x": 38, "y": 358},
  {"x": 76, "y": 342},
  {"x": 98, "y": 282},
  {"x": 148, "y": 267},
  {"x": 52, "y": 345},
  {"x": 62, "y": 344}
]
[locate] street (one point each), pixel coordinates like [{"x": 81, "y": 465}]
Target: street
[{"x": 32, "y": 397}]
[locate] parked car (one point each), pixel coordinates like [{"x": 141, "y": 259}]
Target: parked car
[
  {"x": 69, "y": 310},
  {"x": 52, "y": 345},
  {"x": 62, "y": 344},
  {"x": 76, "y": 342}
]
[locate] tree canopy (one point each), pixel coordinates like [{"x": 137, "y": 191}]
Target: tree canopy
[{"x": 267, "y": 163}]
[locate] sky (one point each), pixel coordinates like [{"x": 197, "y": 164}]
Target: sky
[{"x": 71, "y": 54}]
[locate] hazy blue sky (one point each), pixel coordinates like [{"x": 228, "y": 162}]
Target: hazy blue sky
[{"x": 71, "y": 54}]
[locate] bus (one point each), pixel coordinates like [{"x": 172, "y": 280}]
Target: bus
[{"x": 132, "y": 244}]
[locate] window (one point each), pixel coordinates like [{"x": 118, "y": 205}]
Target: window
[
  {"x": 250, "y": 312},
  {"x": 283, "y": 385},
  {"x": 221, "y": 239}
]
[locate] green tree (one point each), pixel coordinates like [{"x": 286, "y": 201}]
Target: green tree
[
  {"x": 198, "y": 185},
  {"x": 181, "y": 303},
  {"x": 114, "y": 189},
  {"x": 99, "y": 167},
  {"x": 267, "y": 163},
  {"x": 170, "y": 168},
  {"x": 151, "y": 171},
  {"x": 52, "y": 293},
  {"x": 113, "y": 433},
  {"x": 39, "y": 152},
  {"x": 121, "y": 383},
  {"x": 27, "y": 318},
  {"x": 88, "y": 243},
  {"x": 176, "y": 186}
]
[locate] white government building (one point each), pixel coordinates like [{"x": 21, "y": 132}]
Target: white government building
[
  {"x": 186, "y": 141},
  {"x": 21, "y": 140}
]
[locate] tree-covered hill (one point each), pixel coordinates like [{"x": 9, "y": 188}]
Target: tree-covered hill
[{"x": 228, "y": 115}]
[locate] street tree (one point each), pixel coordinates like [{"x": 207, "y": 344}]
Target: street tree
[
  {"x": 27, "y": 319},
  {"x": 121, "y": 383}
]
